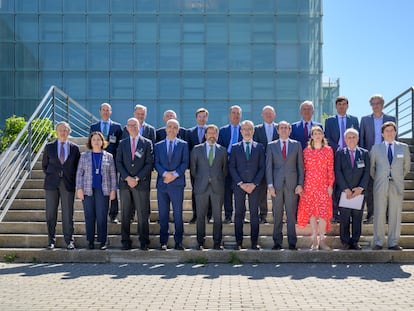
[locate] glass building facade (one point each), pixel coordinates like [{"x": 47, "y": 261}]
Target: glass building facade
[{"x": 165, "y": 54}]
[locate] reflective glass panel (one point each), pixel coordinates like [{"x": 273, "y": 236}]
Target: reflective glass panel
[
  {"x": 50, "y": 56},
  {"x": 50, "y": 28},
  {"x": 98, "y": 85}
]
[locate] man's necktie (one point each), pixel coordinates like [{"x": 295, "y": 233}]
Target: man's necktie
[
  {"x": 389, "y": 154},
  {"x": 351, "y": 154},
  {"x": 305, "y": 130},
  {"x": 247, "y": 150},
  {"x": 233, "y": 139},
  {"x": 284, "y": 150},
  {"x": 62, "y": 153},
  {"x": 105, "y": 128},
  {"x": 210, "y": 155},
  {"x": 170, "y": 150},
  {"x": 133, "y": 147},
  {"x": 342, "y": 132},
  {"x": 200, "y": 134}
]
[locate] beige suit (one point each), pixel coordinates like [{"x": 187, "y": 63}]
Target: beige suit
[{"x": 388, "y": 190}]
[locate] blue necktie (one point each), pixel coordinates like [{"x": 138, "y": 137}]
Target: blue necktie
[
  {"x": 233, "y": 138},
  {"x": 389, "y": 154},
  {"x": 170, "y": 151}
]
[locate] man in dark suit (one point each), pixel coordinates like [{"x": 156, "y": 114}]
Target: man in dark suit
[
  {"x": 194, "y": 136},
  {"x": 390, "y": 163},
  {"x": 301, "y": 129},
  {"x": 335, "y": 127},
  {"x": 112, "y": 132},
  {"x": 171, "y": 161},
  {"x": 135, "y": 161},
  {"x": 59, "y": 163},
  {"x": 229, "y": 135},
  {"x": 265, "y": 133},
  {"x": 247, "y": 167},
  {"x": 351, "y": 177},
  {"x": 145, "y": 130},
  {"x": 284, "y": 175},
  {"x": 209, "y": 168},
  {"x": 161, "y": 133},
  {"x": 370, "y": 135}
]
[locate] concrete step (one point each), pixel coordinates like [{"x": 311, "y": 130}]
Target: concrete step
[
  {"x": 39, "y": 227},
  {"x": 190, "y": 241},
  {"x": 198, "y": 258}
]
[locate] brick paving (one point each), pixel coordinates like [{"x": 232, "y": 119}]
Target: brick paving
[{"x": 206, "y": 287}]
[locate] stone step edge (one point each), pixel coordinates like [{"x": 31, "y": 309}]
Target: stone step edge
[{"x": 199, "y": 258}]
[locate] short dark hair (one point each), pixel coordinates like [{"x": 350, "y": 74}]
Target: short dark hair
[
  {"x": 201, "y": 110},
  {"x": 340, "y": 99},
  {"x": 387, "y": 124},
  {"x": 89, "y": 143}
]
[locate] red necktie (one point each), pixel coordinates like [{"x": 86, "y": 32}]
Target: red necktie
[
  {"x": 284, "y": 150},
  {"x": 133, "y": 147},
  {"x": 305, "y": 130}
]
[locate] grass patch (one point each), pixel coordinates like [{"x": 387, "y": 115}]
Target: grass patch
[
  {"x": 234, "y": 259},
  {"x": 10, "y": 257},
  {"x": 198, "y": 260}
]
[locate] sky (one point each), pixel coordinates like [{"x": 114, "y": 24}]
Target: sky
[{"x": 369, "y": 46}]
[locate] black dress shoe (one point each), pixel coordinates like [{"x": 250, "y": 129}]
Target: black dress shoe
[
  {"x": 200, "y": 247},
  {"x": 356, "y": 246},
  {"x": 345, "y": 246},
  {"x": 237, "y": 247},
  {"x": 276, "y": 247},
  {"x": 292, "y": 247},
  {"x": 178, "y": 247},
  {"x": 51, "y": 246},
  {"x": 217, "y": 246},
  {"x": 256, "y": 247},
  {"x": 163, "y": 247},
  {"x": 262, "y": 220},
  {"x": 368, "y": 220},
  {"x": 377, "y": 247},
  {"x": 395, "y": 248},
  {"x": 246, "y": 221},
  {"x": 103, "y": 247},
  {"x": 91, "y": 245},
  {"x": 126, "y": 246},
  {"x": 70, "y": 246},
  {"x": 144, "y": 247},
  {"x": 114, "y": 221},
  {"x": 193, "y": 220},
  {"x": 227, "y": 220}
]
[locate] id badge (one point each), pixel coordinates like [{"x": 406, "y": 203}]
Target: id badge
[
  {"x": 139, "y": 153},
  {"x": 112, "y": 139},
  {"x": 400, "y": 155},
  {"x": 360, "y": 164}
]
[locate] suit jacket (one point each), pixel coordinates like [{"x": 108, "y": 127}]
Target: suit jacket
[
  {"x": 225, "y": 136},
  {"x": 332, "y": 131},
  {"x": 203, "y": 174},
  {"x": 114, "y": 130},
  {"x": 179, "y": 162},
  {"x": 192, "y": 137},
  {"x": 367, "y": 131},
  {"x": 297, "y": 132},
  {"x": 381, "y": 169},
  {"x": 54, "y": 170},
  {"x": 247, "y": 171},
  {"x": 280, "y": 172},
  {"x": 140, "y": 167},
  {"x": 260, "y": 134},
  {"x": 84, "y": 173},
  {"x": 161, "y": 134},
  {"x": 348, "y": 177},
  {"x": 148, "y": 131}
]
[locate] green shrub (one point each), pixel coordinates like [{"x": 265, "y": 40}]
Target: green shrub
[{"x": 12, "y": 128}]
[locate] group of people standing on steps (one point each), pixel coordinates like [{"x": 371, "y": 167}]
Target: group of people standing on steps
[{"x": 313, "y": 175}]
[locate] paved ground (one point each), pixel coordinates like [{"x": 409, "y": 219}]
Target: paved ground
[{"x": 206, "y": 287}]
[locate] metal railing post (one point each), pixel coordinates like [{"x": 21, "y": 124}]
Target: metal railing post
[{"x": 30, "y": 147}]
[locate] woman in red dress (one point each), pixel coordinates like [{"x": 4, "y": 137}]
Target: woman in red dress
[{"x": 315, "y": 205}]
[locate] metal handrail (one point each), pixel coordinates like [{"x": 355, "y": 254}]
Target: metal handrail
[
  {"x": 18, "y": 160},
  {"x": 402, "y": 107}
]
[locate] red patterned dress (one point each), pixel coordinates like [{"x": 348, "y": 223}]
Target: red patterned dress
[{"x": 319, "y": 175}]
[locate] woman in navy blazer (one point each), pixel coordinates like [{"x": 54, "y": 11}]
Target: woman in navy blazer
[{"x": 95, "y": 186}]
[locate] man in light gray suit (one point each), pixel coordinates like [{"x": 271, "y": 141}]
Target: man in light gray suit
[
  {"x": 370, "y": 134},
  {"x": 284, "y": 176},
  {"x": 390, "y": 162},
  {"x": 208, "y": 167}
]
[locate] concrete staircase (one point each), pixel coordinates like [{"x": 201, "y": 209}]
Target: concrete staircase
[{"x": 23, "y": 235}]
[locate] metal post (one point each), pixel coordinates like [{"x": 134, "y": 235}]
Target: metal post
[{"x": 30, "y": 147}]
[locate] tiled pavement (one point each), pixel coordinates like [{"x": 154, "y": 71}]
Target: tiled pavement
[{"x": 188, "y": 286}]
